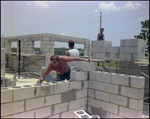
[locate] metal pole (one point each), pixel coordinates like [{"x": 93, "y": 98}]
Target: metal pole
[{"x": 19, "y": 59}]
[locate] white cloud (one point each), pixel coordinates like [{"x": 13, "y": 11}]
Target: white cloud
[
  {"x": 64, "y": 34},
  {"x": 111, "y": 6},
  {"x": 43, "y": 4}
]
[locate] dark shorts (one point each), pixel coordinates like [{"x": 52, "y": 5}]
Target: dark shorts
[{"x": 64, "y": 76}]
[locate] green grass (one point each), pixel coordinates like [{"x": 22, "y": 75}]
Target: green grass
[{"x": 106, "y": 64}]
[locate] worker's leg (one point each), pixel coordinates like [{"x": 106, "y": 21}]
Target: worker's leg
[{"x": 65, "y": 76}]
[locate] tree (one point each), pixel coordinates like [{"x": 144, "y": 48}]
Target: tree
[{"x": 144, "y": 34}]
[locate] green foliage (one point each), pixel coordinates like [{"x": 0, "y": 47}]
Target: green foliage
[
  {"x": 144, "y": 34},
  {"x": 13, "y": 49},
  {"x": 36, "y": 49}
]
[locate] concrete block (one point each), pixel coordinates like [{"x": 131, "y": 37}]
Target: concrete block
[
  {"x": 120, "y": 79},
  {"x": 128, "y": 56},
  {"x": 79, "y": 76},
  {"x": 84, "y": 101},
  {"x": 121, "y": 56},
  {"x": 93, "y": 43},
  {"x": 55, "y": 116},
  {"x": 108, "y": 49},
  {"x": 94, "y": 103},
  {"x": 78, "y": 85},
  {"x": 102, "y": 96},
  {"x": 138, "y": 42},
  {"x": 84, "y": 84},
  {"x": 114, "y": 49},
  {"x": 111, "y": 88},
  {"x": 103, "y": 76},
  {"x": 80, "y": 108},
  {"x": 128, "y": 92},
  {"x": 122, "y": 43},
  {"x": 53, "y": 99},
  {"x": 23, "y": 93},
  {"x": 97, "y": 49},
  {"x": 11, "y": 108},
  {"x": 128, "y": 42},
  {"x": 103, "y": 49},
  {"x": 6, "y": 95},
  {"x": 91, "y": 93},
  {"x": 136, "y": 104},
  {"x": 115, "y": 116},
  {"x": 95, "y": 85},
  {"x": 114, "y": 56},
  {"x": 92, "y": 75},
  {"x": 61, "y": 87},
  {"x": 60, "y": 108},
  {"x": 28, "y": 114},
  {"x": 119, "y": 100},
  {"x": 129, "y": 113},
  {"x": 110, "y": 107},
  {"x": 137, "y": 82},
  {"x": 93, "y": 55},
  {"x": 137, "y": 49},
  {"x": 104, "y": 43},
  {"x": 128, "y": 49},
  {"x": 81, "y": 94},
  {"x": 85, "y": 66},
  {"x": 45, "y": 89},
  {"x": 132, "y": 71},
  {"x": 43, "y": 112},
  {"x": 139, "y": 56},
  {"x": 74, "y": 104},
  {"x": 34, "y": 103},
  {"x": 122, "y": 50}
]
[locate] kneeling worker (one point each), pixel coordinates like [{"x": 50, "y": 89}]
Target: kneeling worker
[{"x": 61, "y": 66}]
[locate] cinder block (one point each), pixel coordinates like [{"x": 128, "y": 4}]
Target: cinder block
[
  {"x": 53, "y": 99},
  {"x": 125, "y": 64},
  {"x": 110, "y": 107},
  {"x": 91, "y": 93},
  {"x": 103, "y": 76},
  {"x": 74, "y": 104},
  {"x": 84, "y": 101},
  {"x": 95, "y": 85},
  {"x": 94, "y": 103},
  {"x": 122, "y": 43},
  {"x": 111, "y": 88},
  {"x": 114, "y": 49},
  {"x": 78, "y": 75},
  {"x": 128, "y": 56},
  {"x": 84, "y": 84},
  {"x": 119, "y": 100},
  {"x": 128, "y": 42},
  {"x": 92, "y": 75},
  {"x": 23, "y": 93},
  {"x": 61, "y": 87},
  {"x": 93, "y": 43},
  {"x": 28, "y": 114},
  {"x": 122, "y": 50},
  {"x": 108, "y": 49},
  {"x": 138, "y": 56},
  {"x": 97, "y": 49},
  {"x": 103, "y": 49},
  {"x": 68, "y": 114},
  {"x": 128, "y": 49},
  {"x": 6, "y": 95},
  {"x": 138, "y": 93},
  {"x": 60, "y": 108},
  {"x": 55, "y": 116},
  {"x": 114, "y": 56},
  {"x": 138, "y": 42},
  {"x": 137, "y": 49},
  {"x": 93, "y": 56},
  {"x": 121, "y": 56},
  {"x": 45, "y": 89},
  {"x": 85, "y": 66},
  {"x": 102, "y": 96},
  {"x": 115, "y": 116},
  {"x": 120, "y": 79},
  {"x": 132, "y": 71},
  {"x": 34, "y": 103},
  {"x": 129, "y": 113},
  {"x": 104, "y": 43},
  {"x": 137, "y": 82},
  {"x": 136, "y": 104},
  {"x": 11, "y": 108},
  {"x": 81, "y": 94},
  {"x": 43, "y": 112}
]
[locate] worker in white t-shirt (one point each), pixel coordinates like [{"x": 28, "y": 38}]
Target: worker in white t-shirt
[{"x": 73, "y": 52}]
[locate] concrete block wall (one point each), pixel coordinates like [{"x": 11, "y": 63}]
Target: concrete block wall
[
  {"x": 112, "y": 95},
  {"x": 99, "y": 49},
  {"x": 131, "y": 68},
  {"x": 3, "y": 62},
  {"x": 132, "y": 49}
]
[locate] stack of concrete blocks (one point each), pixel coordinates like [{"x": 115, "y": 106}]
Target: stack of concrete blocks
[
  {"x": 87, "y": 50},
  {"x": 99, "y": 49},
  {"x": 51, "y": 100},
  {"x": 113, "y": 52},
  {"x": 126, "y": 67},
  {"x": 132, "y": 49},
  {"x": 112, "y": 95},
  {"x": 27, "y": 46},
  {"x": 3, "y": 62}
]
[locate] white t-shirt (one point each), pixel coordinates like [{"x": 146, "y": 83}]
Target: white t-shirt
[{"x": 73, "y": 53}]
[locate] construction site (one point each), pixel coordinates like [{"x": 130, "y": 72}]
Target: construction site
[{"x": 92, "y": 91}]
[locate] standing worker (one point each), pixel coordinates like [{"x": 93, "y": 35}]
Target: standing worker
[
  {"x": 100, "y": 35},
  {"x": 73, "y": 52},
  {"x": 61, "y": 66}
]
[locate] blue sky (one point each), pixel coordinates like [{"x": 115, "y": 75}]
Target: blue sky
[{"x": 120, "y": 19}]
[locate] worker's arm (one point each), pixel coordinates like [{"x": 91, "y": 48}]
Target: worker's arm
[
  {"x": 69, "y": 59},
  {"x": 67, "y": 53}
]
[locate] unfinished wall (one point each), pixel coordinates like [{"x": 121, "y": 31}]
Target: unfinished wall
[{"x": 100, "y": 93}]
